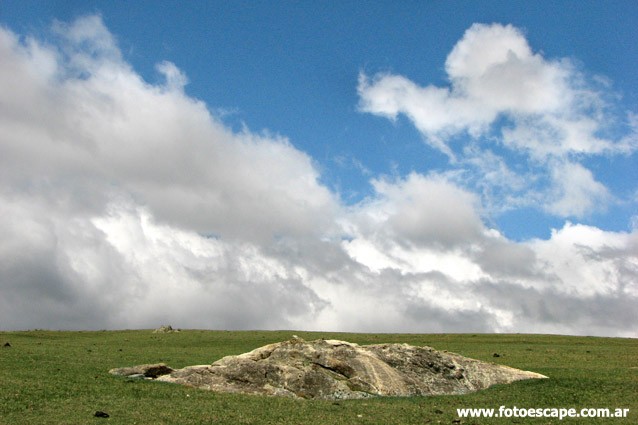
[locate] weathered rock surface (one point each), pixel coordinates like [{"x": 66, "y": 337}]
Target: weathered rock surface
[{"x": 331, "y": 369}]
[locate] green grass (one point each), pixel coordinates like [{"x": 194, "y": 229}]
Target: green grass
[{"x": 62, "y": 378}]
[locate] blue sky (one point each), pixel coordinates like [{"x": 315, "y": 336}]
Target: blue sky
[
  {"x": 402, "y": 135},
  {"x": 292, "y": 69}
]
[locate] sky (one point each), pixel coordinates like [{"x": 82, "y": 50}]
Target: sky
[{"x": 337, "y": 166}]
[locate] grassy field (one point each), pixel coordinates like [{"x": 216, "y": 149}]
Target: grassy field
[{"x": 62, "y": 378}]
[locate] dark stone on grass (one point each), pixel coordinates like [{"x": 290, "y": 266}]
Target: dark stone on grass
[
  {"x": 150, "y": 371},
  {"x": 100, "y": 414},
  {"x": 157, "y": 370}
]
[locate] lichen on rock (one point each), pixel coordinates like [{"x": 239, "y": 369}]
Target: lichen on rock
[{"x": 332, "y": 369}]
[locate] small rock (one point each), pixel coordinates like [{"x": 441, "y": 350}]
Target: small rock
[
  {"x": 7, "y": 345},
  {"x": 136, "y": 376},
  {"x": 165, "y": 329},
  {"x": 295, "y": 338},
  {"x": 100, "y": 414},
  {"x": 151, "y": 371},
  {"x": 496, "y": 355}
]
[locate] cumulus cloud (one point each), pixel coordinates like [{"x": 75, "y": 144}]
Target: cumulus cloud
[
  {"x": 425, "y": 211},
  {"x": 128, "y": 204},
  {"x": 502, "y": 91},
  {"x": 105, "y": 130},
  {"x": 576, "y": 192},
  {"x": 90, "y": 152},
  {"x": 494, "y": 73}
]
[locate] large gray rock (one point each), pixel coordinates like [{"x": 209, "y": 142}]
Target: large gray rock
[{"x": 331, "y": 369}]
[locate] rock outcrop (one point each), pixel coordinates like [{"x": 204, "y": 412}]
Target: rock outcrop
[
  {"x": 164, "y": 329},
  {"x": 331, "y": 369}
]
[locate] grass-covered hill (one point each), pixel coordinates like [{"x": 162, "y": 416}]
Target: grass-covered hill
[{"x": 51, "y": 377}]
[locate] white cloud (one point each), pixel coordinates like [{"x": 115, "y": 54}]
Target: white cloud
[
  {"x": 429, "y": 108},
  {"x": 109, "y": 184},
  {"x": 107, "y": 130},
  {"x": 494, "y": 67},
  {"x": 426, "y": 211},
  {"x": 548, "y": 137},
  {"x": 127, "y": 204},
  {"x": 493, "y": 72},
  {"x": 482, "y": 280},
  {"x": 503, "y": 93},
  {"x": 501, "y": 187},
  {"x": 590, "y": 261},
  {"x": 175, "y": 78},
  {"x": 576, "y": 192}
]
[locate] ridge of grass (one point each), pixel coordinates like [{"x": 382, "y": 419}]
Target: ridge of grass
[{"x": 61, "y": 377}]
